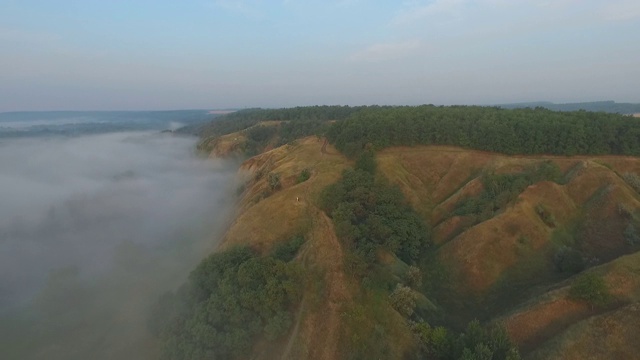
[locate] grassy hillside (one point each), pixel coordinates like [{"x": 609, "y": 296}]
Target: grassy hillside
[
  {"x": 512, "y": 255},
  {"x": 400, "y": 253}
]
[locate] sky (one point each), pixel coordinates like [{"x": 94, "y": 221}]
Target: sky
[{"x": 216, "y": 54}]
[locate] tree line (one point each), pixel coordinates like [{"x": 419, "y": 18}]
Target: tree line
[
  {"x": 516, "y": 131},
  {"x": 509, "y": 131}
]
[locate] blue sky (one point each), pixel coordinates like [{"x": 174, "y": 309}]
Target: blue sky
[{"x": 143, "y": 54}]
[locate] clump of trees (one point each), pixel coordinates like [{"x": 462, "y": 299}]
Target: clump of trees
[
  {"x": 230, "y": 299},
  {"x": 475, "y": 342},
  {"x": 369, "y": 214},
  {"x": 516, "y": 131},
  {"x": 502, "y": 189}
]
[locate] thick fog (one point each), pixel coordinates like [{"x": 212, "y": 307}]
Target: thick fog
[{"x": 92, "y": 230}]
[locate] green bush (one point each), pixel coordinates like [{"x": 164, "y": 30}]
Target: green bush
[
  {"x": 633, "y": 180},
  {"x": 273, "y": 179},
  {"x": 568, "y": 260},
  {"x": 501, "y": 189},
  {"x": 631, "y": 235},
  {"x": 592, "y": 289},
  {"x": 403, "y": 299},
  {"x": 287, "y": 251},
  {"x": 476, "y": 342},
  {"x": 305, "y": 174}
]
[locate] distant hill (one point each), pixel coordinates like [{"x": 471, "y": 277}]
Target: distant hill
[
  {"x": 606, "y": 106},
  {"x": 69, "y": 123}
]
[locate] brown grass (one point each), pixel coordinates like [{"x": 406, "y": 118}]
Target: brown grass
[
  {"x": 550, "y": 319},
  {"x": 608, "y": 336},
  {"x": 436, "y": 178},
  {"x": 267, "y": 216},
  {"x": 318, "y": 336},
  {"x": 544, "y": 319}
]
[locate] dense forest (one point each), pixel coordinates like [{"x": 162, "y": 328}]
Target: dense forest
[
  {"x": 508, "y": 131},
  {"x": 517, "y": 131}
]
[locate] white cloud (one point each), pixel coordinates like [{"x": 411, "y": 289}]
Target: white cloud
[{"x": 386, "y": 51}]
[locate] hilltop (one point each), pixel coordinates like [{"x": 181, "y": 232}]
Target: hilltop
[{"x": 504, "y": 239}]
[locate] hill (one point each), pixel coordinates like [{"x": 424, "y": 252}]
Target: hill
[{"x": 509, "y": 240}]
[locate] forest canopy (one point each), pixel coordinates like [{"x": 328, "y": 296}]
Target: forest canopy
[{"x": 508, "y": 131}]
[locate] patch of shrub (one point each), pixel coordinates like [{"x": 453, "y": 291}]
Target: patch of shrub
[
  {"x": 287, "y": 251},
  {"x": 568, "y": 260},
  {"x": 633, "y": 180},
  {"x": 273, "y": 179},
  {"x": 501, "y": 189},
  {"x": 403, "y": 299},
  {"x": 631, "y": 235},
  {"x": 592, "y": 289},
  {"x": 414, "y": 277},
  {"x": 304, "y": 175},
  {"x": 545, "y": 215}
]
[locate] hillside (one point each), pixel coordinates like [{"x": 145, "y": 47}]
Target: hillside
[
  {"x": 509, "y": 240},
  {"x": 486, "y": 259},
  {"x": 509, "y": 260}
]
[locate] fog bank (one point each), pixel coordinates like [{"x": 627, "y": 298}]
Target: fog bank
[{"x": 92, "y": 230}]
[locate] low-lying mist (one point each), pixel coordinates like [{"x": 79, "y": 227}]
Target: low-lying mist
[{"x": 92, "y": 230}]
